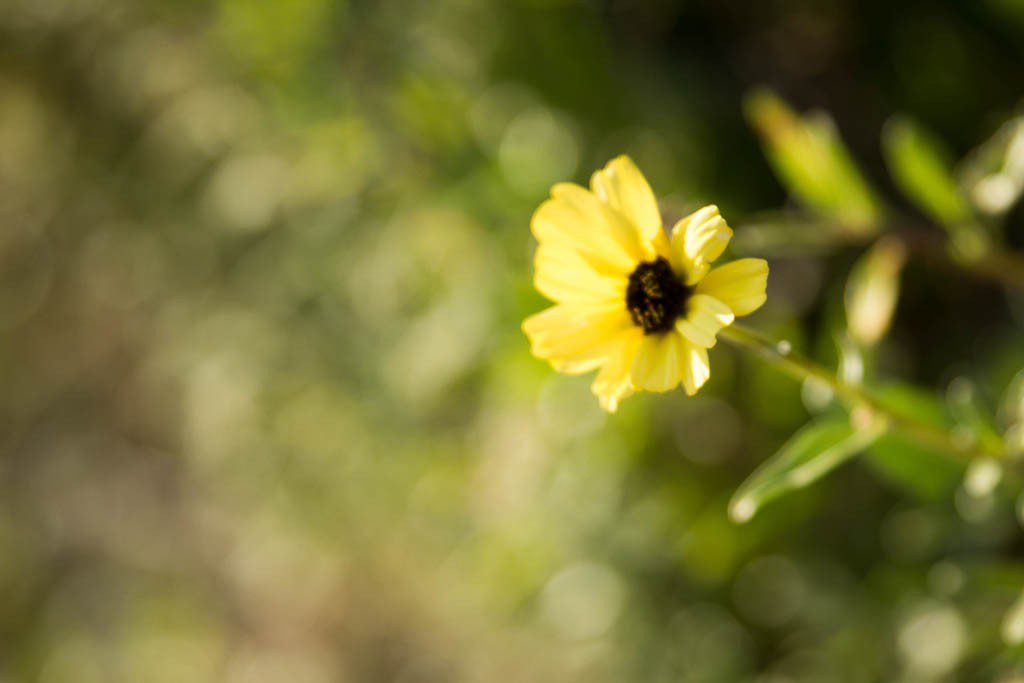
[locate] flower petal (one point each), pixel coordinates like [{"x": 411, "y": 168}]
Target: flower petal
[
  {"x": 662, "y": 246},
  {"x": 576, "y": 339},
  {"x": 695, "y": 368},
  {"x": 697, "y": 240},
  {"x": 656, "y": 367},
  {"x": 575, "y": 219},
  {"x": 740, "y": 285},
  {"x": 613, "y": 384},
  {"x": 562, "y": 275},
  {"x": 705, "y": 316},
  {"x": 621, "y": 184}
]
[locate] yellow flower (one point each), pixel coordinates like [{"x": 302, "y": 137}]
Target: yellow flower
[{"x": 639, "y": 305}]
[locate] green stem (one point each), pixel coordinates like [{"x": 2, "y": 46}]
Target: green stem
[{"x": 781, "y": 355}]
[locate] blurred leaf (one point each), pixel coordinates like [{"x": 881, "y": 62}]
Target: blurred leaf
[
  {"x": 872, "y": 291},
  {"x": 814, "y": 451},
  {"x": 993, "y": 174},
  {"x": 812, "y": 161},
  {"x": 921, "y": 167},
  {"x": 929, "y": 473}
]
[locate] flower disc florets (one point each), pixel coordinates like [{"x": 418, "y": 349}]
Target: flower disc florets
[{"x": 655, "y": 296}]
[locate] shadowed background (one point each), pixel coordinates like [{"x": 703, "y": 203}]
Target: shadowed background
[{"x": 267, "y": 414}]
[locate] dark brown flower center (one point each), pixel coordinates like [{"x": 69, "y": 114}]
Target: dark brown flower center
[{"x": 655, "y": 296}]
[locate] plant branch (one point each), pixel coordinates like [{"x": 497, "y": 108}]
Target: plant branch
[{"x": 781, "y": 355}]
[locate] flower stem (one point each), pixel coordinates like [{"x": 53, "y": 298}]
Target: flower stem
[{"x": 781, "y": 355}]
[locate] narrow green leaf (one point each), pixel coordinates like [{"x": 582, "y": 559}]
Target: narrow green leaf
[
  {"x": 856, "y": 203},
  {"x": 921, "y": 167},
  {"x": 811, "y": 453},
  {"x": 811, "y": 160}
]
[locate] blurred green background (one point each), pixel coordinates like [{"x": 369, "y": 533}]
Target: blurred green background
[{"x": 267, "y": 414}]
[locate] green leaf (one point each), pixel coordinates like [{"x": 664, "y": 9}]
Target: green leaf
[
  {"x": 814, "y": 451},
  {"x": 921, "y": 167},
  {"x": 812, "y": 161},
  {"x": 928, "y": 473}
]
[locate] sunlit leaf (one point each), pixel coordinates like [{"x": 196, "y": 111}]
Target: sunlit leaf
[
  {"x": 921, "y": 168},
  {"x": 810, "y": 454},
  {"x": 872, "y": 291},
  {"x": 811, "y": 160}
]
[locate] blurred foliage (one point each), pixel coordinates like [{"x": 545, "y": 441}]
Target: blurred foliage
[
  {"x": 814, "y": 451},
  {"x": 812, "y": 160},
  {"x": 921, "y": 167},
  {"x": 872, "y": 291},
  {"x": 268, "y": 415}
]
